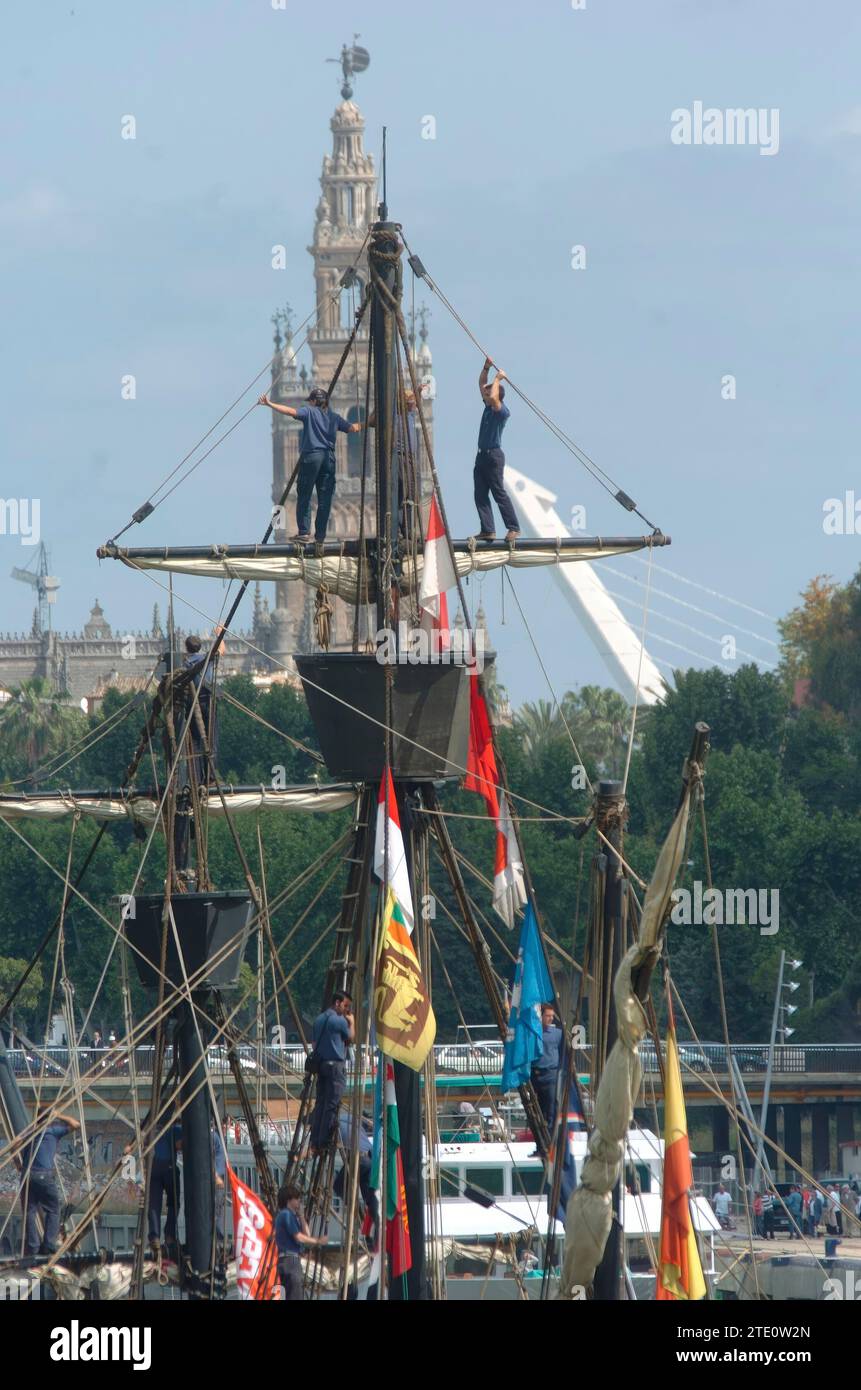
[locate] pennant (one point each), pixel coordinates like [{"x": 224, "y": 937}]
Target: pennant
[
  {"x": 392, "y": 871},
  {"x": 482, "y": 775},
  {"x": 680, "y": 1272},
  {"x": 438, "y": 630},
  {"x": 398, "y": 1245},
  {"x": 509, "y": 889},
  {"x": 253, "y": 1242},
  {"x": 437, "y": 569},
  {"x": 403, "y": 1016},
  {"x": 524, "y": 1042}
]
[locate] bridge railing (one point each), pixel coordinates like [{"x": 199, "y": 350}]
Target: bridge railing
[{"x": 479, "y": 1059}]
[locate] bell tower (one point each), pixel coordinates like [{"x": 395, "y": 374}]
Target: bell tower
[{"x": 345, "y": 210}]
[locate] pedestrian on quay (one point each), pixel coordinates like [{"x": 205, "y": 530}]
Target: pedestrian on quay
[
  {"x": 767, "y": 1216},
  {"x": 794, "y": 1207}
]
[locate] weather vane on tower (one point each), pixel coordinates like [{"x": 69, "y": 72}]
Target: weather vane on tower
[{"x": 353, "y": 59}]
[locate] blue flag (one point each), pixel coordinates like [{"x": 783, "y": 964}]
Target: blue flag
[{"x": 524, "y": 1042}]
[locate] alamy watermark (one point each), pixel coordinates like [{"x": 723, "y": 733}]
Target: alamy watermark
[
  {"x": 719, "y": 907},
  {"x": 735, "y": 126},
  {"x": 21, "y": 516},
  {"x": 419, "y": 646}
]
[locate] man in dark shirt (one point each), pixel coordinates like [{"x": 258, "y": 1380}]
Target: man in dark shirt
[
  {"x": 333, "y": 1030},
  {"x": 487, "y": 475},
  {"x": 291, "y": 1233},
  {"x": 39, "y": 1195},
  {"x": 366, "y": 1148},
  {"x": 320, "y": 427},
  {"x": 164, "y": 1184},
  {"x": 201, "y": 681},
  {"x": 546, "y": 1069}
]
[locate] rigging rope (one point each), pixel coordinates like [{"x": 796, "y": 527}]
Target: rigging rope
[
  {"x": 594, "y": 469},
  {"x": 149, "y": 506}
]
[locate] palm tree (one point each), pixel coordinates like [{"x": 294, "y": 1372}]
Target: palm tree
[
  {"x": 599, "y": 719},
  {"x": 35, "y": 723},
  {"x": 538, "y": 725}
]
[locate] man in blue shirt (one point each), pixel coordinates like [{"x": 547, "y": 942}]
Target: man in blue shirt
[
  {"x": 333, "y": 1030},
  {"x": 320, "y": 427},
  {"x": 546, "y": 1070},
  {"x": 39, "y": 1195},
  {"x": 291, "y": 1233},
  {"x": 487, "y": 475},
  {"x": 366, "y": 1148}
]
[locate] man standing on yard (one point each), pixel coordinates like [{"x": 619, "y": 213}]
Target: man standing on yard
[
  {"x": 320, "y": 427},
  {"x": 487, "y": 474},
  {"x": 490, "y": 460}
]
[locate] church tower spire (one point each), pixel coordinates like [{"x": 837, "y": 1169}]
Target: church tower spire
[{"x": 345, "y": 210}]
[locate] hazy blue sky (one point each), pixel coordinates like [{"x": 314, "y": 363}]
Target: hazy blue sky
[{"x": 152, "y": 257}]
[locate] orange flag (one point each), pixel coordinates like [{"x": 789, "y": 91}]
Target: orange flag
[{"x": 680, "y": 1272}]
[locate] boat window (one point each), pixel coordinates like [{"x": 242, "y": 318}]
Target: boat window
[
  {"x": 643, "y": 1180},
  {"x": 492, "y": 1180},
  {"x": 528, "y": 1180}
]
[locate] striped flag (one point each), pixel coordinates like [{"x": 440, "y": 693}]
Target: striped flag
[
  {"x": 680, "y": 1272},
  {"x": 397, "y": 1221},
  {"x": 391, "y": 868},
  {"x": 437, "y": 569}
]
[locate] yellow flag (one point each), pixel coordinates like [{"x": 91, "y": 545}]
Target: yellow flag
[
  {"x": 680, "y": 1272},
  {"x": 404, "y": 1019}
]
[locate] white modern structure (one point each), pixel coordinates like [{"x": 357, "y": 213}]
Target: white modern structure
[{"x": 616, "y": 640}]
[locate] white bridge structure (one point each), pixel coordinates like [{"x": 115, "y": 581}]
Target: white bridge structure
[{"x": 624, "y": 654}]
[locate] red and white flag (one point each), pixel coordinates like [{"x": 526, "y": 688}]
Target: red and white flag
[
  {"x": 393, "y": 869},
  {"x": 254, "y": 1243},
  {"x": 437, "y": 570},
  {"x": 509, "y": 891}
]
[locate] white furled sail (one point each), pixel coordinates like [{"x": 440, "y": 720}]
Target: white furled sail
[
  {"x": 132, "y": 806},
  {"x": 344, "y": 574}
]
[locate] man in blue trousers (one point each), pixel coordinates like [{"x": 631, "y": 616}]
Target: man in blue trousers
[{"x": 320, "y": 428}]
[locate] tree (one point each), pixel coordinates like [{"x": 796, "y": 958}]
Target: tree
[
  {"x": 802, "y": 629},
  {"x": 11, "y": 970},
  {"x": 36, "y": 723},
  {"x": 600, "y": 721},
  {"x": 537, "y": 725}
]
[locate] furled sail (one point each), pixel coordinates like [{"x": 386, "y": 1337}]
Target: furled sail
[
  {"x": 118, "y": 805},
  {"x": 341, "y": 569},
  {"x": 590, "y": 1213}
]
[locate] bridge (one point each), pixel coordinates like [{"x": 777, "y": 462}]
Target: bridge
[{"x": 814, "y": 1111}]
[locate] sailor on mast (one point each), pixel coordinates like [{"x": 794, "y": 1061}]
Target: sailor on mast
[
  {"x": 320, "y": 427},
  {"x": 487, "y": 474}
]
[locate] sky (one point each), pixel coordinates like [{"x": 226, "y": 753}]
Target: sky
[{"x": 553, "y": 129}]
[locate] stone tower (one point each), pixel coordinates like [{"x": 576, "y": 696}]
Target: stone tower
[{"x": 346, "y": 208}]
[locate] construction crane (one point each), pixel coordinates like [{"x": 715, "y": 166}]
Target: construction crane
[{"x": 46, "y": 585}]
